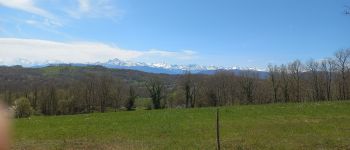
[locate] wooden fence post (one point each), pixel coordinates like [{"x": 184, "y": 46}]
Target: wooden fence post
[{"x": 217, "y": 129}]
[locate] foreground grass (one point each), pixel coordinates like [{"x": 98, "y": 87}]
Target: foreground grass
[{"x": 324, "y": 125}]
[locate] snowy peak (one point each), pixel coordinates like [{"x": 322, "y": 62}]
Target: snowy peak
[
  {"x": 192, "y": 67},
  {"x": 141, "y": 66},
  {"x": 162, "y": 67},
  {"x": 118, "y": 62}
]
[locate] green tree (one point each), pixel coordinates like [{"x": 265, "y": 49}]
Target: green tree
[
  {"x": 155, "y": 88},
  {"x": 23, "y": 108}
]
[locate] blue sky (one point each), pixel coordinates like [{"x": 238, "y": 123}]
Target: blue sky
[{"x": 246, "y": 33}]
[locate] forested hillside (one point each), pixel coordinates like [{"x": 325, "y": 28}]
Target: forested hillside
[
  {"x": 49, "y": 87},
  {"x": 68, "y": 89}
]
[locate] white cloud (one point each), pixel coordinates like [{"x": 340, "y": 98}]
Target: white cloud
[
  {"x": 27, "y": 6},
  {"x": 94, "y": 9},
  {"x": 12, "y": 49},
  {"x": 84, "y": 5},
  {"x": 45, "y": 21},
  {"x": 59, "y": 14}
]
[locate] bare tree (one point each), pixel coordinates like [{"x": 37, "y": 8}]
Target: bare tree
[
  {"x": 105, "y": 83},
  {"x": 8, "y": 97},
  {"x": 34, "y": 99},
  {"x": 313, "y": 68},
  {"x": 285, "y": 83},
  {"x": 342, "y": 61},
  {"x": 328, "y": 68},
  {"x": 274, "y": 73},
  {"x": 222, "y": 84},
  {"x": 49, "y": 103},
  {"x": 90, "y": 92},
  {"x": 213, "y": 100},
  {"x": 295, "y": 70},
  {"x": 248, "y": 84},
  {"x": 190, "y": 87},
  {"x": 118, "y": 93},
  {"x": 131, "y": 99}
]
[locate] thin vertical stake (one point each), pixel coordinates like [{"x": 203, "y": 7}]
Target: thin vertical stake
[{"x": 217, "y": 129}]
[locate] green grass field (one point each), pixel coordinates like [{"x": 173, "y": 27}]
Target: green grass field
[{"x": 324, "y": 125}]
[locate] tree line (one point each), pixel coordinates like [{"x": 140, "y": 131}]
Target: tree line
[{"x": 71, "y": 92}]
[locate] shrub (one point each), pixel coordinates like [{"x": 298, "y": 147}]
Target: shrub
[{"x": 23, "y": 108}]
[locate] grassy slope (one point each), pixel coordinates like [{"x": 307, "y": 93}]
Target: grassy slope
[{"x": 278, "y": 126}]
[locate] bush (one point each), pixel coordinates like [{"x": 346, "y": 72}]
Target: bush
[{"x": 23, "y": 108}]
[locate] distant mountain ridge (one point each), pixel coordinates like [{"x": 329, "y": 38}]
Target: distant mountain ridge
[{"x": 140, "y": 66}]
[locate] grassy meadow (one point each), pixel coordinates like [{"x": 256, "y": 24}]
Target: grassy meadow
[{"x": 321, "y": 125}]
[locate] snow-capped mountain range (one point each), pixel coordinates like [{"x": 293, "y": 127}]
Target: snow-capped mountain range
[
  {"x": 140, "y": 66},
  {"x": 192, "y": 67}
]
